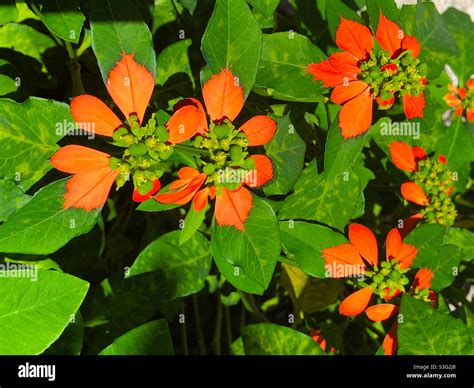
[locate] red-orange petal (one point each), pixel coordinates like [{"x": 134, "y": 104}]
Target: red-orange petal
[
  {"x": 137, "y": 197},
  {"x": 470, "y": 115},
  {"x": 402, "y": 156},
  {"x": 345, "y": 62},
  {"x": 470, "y": 84},
  {"x": 414, "y": 193},
  {"x": 182, "y": 191},
  {"x": 385, "y": 103},
  {"x": 418, "y": 153},
  {"x": 389, "y": 35},
  {"x": 203, "y": 127},
  {"x": 259, "y": 130},
  {"x": 233, "y": 207},
  {"x": 452, "y": 100},
  {"x": 390, "y": 341},
  {"x": 326, "y": 72},
  {"x": 423, "y": 279},
  {"x": 462, "y": 93},
  {"x": 355, "y": 303},
  {"x": 365, "y": 242},
  {"x": 344, "y": 256},
  {"x": 381, "y": 312},
  {"x": 200, "y": 199},
  {"x": 393, "y": 244},
  {"x": 89, "y": 190},
  {"x": 263, "y": 171},
  {"x": 75, "y": 159},
  {"x": 355, "y": 116},
  {"x": 413, "y": 106},
  {"x": 93, "y": 116},
  {"x": 406, "y": 255},
  {"x": 223, "y": 96},
  {"x": 130, "y": 85},
  {"x": 354, "y": 38},
  {"x": 345, "y": 92},
  {"x": 184, "y": 124},
  {"x": 412, "y": 44}
]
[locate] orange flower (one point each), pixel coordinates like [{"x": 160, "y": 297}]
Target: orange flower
[
  {"x": 461, "y": 99},
  {"x": 130, "y": 85},
  {"x": 359, "y": 74},
  {"x": 224, "y": 99},
  {"x": 318, "y": 337},
  {"x": 363, "y": 246}
]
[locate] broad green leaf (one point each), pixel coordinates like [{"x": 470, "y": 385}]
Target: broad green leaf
[
  {"x": 233, "y": 40},
  {"x": 306, "y": 242},
  {"x": 424, "y": 331},
  {"x": 437, "y": 44},
  {"x": 307, "y": 293},
  {"x": 151, "y": 339},
  {"x": 117, "y": 27},
  {"x": 330, "y": 201},
  {"x": 43, "y": 225},
  {"x": 71, "y": 340},
  {"x": 266, "y": 7},
  {"x": 8, "y": 12},
  {"x": 463, "y": 239},
  {"x": 35, "y": 313},
  {"x": 456, "y": 145},
  {"x": 335, "y": 9},
  {"x": 7, "y": 85},
  {"x": 29, "y": 134},
  {"x": 192, "y": 222},
  {"x": 340, "y": 154},
  {"x": 461, "y": 27},
  {"x": 286, "y": 151},
  {"x": 164, "y": 12},
  {"x": 427, "y": 238},
  {"x": 282, "y": 72},
  {"x": 177, "y": 270},
  {"x": 173, "y": 60},
  {"x": 269, "y": 339},
  {"x": 445, "y": 266},
  {"x": 12, "y": 198},
  {"x": 25, "y": 40},
  {"x": 248, "y": 258},
  {"x": 237, "y": 347},
  {"x": 151, "y": 205},
  {"x": 190, "y": 5},
  {"x": 64, "y": 18},
  {"x": 388, "y": 8}
]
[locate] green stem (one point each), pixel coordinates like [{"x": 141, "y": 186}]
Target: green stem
[
  {"x": 75, "y": 69},
  {"x": 218, "y": 326},
  {"x": 184, "y": 335},
  {"x": 249, "y": 303},
  {"x": 201, "y": 341},
  {"x": 190, "y": 150},
  {"x": 287, "y": 261},
  {"x": 228, "y": 327}
]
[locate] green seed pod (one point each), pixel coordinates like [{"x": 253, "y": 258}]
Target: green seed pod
[
  {"x": 166, "y": 153},
  {"x": 138, "y": 149},
  {"x": 209, "y": 168},
  {"x": 197, "y": 141},
  {"x": 222, "y": 131},
  {"x": 236, "y": 153}
]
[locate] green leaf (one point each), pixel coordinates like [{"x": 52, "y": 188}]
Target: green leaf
[
  {"x": 306, "y": 242},
  {"x": 28, "y": 136},
  {"x": 117, "y": 27},
  {"x": 340, "y": 155},
  {"x": 26, "y": 40},
  {"x": 7, "y": 85},
  {"x": 445, "y": 266},
  {"x": 190, "y": 5},
  {"x": 151, "y": 339},
  {"x": 248, "y": 258},
  {"x": 151, "y": 205},
  {"x": 177, "y": 270},
  {"x": 330, "y": 201},
  {"x": 463, "y": 239},
  {"x": 269, "y": 339},
  {"x": 71, "y": 340},
  {"x": 173, "y": 60},
  {"x": 282, "y": 71},
  {"x": 35, "y": 313},
  {"x": 192, "y": 222},
  {"x": 64, "y": 18},
  {"x": 12, "y": 199},
  {"x": 43, "y": 225},
  {"x": 427, "y": 238},
  {"x": 237, "y": 347},
  {"x": 424, "y": 331},
  {"x": 335, "y": 9},
  {"x": 456, "y": 145},
  {"x": 287, "y": 151},
  {"x": 387, "y": 7},
  {"x": 266, "y": 7},
  {"x": 233, "y": 40},
  {"x": 8, "y": 12}
]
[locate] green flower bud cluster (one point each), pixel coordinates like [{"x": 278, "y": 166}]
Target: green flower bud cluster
[
  {"x": 436, "y": 181},
  {"x": 405, "y": 77},
  {"x": 146, "y": 148},
  {"x": 388, "y": 278},
  {"x": 226, "y": 151},
  {"x": 423, "y": 294}
]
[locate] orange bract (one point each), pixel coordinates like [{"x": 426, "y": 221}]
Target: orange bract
[
  {"x": 355, "y": 116},
  {"x": 389, "y": 35},
  {"x": 259, "y": 130},
  {"x": 414, "y": 193},
  {"x": 402, "y": 156},
  {"x": 413, "y": 106},
  {"x": 364, "y": 240},
  {"x": 75, "y": 159},
  {"x": 233, "y": 207},
  {"x": 263, "y": 171},
  {"x": 355, "y": 303},
  {"x": 381, "y": 312},
  {"x": 354, "y": 38}
]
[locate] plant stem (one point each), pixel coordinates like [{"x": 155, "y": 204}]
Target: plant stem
[
  {"x": 197, "y": 315},
  {"x": 218, "y": 326},
  {"x": 75, "y": 69},
  {"x": 184, "y": 335},
  {"x": 249, "y": 303},
  {"x": 228, "y": 327},
  {"x": 190, "y": 150},
  {"x": 287, "y": 261}
]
